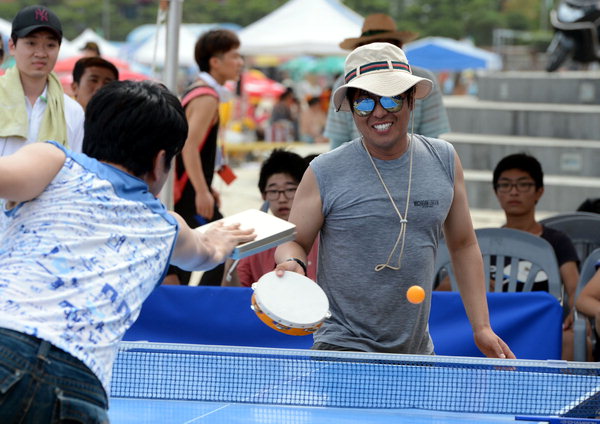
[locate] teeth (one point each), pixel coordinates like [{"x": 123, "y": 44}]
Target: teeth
[{"x": 382, "y": 127}]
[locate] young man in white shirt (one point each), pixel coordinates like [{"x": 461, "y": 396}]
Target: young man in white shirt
[{"x": 33, "y": 102}]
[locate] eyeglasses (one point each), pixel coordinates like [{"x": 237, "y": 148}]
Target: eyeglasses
[
  {"x": 364, "y": 106},
  {"x": 522, "y": 186},
  {"x": 288, "y": 193}
]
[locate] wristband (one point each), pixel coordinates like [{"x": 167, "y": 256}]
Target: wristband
[{"x": 299, "y": 262}]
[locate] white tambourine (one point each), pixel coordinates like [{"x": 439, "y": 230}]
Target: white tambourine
[{"x": 292, "y": 304}]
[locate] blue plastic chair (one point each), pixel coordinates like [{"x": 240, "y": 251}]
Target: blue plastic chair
[{"x": 583, "y": 228}]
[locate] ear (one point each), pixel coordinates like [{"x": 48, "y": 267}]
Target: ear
[
  {"x": 159, "y": 166},
  {"x": 157, "y": 176},
  {"x": 538, "y": 194},
  {"x": 213, "y": 62},
  {"x": 11, "y": 46},
  {"x": 74, "y": 89}
]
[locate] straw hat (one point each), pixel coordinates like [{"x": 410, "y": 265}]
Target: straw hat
[
  {"x": 381, "y": 69},
  {"x": 378, "y": 27}
]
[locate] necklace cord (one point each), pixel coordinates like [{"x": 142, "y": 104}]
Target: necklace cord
[{"x": 403, "y": 219}]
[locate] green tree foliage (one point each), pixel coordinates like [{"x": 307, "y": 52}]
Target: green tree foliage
[{"x": 475, "y": 19}]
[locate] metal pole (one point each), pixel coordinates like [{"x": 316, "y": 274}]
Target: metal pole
[
  {"x": 172, "y": 52},
  {"x": 170, "y": 79},
  {"x": 106, "y": 19}
]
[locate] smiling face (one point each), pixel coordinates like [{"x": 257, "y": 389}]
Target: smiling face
[
  {"x": 36, "y": 54},
  {"x": 516, "y": 192},
  {"x": 384, "y": 132}
]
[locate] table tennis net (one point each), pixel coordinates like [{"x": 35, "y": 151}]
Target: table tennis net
[{"x": 355, "y": 380}]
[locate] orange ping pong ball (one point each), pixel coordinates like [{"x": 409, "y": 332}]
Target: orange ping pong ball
[{"x": 415, "y": 294}]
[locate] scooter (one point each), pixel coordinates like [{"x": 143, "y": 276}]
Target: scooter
[{"x": 576, "y": 37}]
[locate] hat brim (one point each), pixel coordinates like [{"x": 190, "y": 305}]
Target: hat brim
[
  {"x": 402, "y": 36},
  {"x": 393, "y": 84},
  {"x": 24, "y": 32}
]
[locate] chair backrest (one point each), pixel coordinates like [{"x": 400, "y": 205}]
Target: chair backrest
[
  {"x": 588, "y": 269},
  {"x": 510, "y": 246},
  {"x": 583, "y": 228}
]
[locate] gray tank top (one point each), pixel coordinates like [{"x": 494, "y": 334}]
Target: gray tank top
[{"x": 369, "y": 309}]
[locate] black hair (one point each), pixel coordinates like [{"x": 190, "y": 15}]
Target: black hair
[
  {"x": 214, "y": 43},
  {"x": 128, "y": 123},
  {"x": 289, "y": 92},
  {"x": 86, "y": 62},
  {"x": 281, "y": 162},
  {"x": 314, "y": 100},
  {"x": 522, "y": 162}
]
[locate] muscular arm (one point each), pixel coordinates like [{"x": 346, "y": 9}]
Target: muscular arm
[
  {"x": 468, "y": 268},
  {"x": 307, "y": 214},
  {"x": 25, "y": 174},
  {"x": 200, "y": 114}
]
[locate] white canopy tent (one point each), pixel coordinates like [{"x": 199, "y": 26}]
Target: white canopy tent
[
  {"x": 145, "y": 54},
  {"x": 106, "y": 47},
  {"x": 302, "y": 27}
]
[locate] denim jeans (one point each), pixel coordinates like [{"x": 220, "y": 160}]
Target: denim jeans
[{"x": 40, "y": 384}]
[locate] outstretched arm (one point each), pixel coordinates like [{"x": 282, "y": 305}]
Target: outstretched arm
[
  {"x": 24, "y": 175},
  {"x": 307, "y": 214},
  {"x": 468, "y": 268},
  {"x": 197, "y": 250}
]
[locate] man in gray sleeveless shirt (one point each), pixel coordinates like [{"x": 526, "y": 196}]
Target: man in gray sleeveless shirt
[{"x": 380, "y": 204}]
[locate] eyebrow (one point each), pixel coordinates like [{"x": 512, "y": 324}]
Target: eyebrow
[
  {"x": 286, "y": 183},
  {"x": 516, "y": 179}
]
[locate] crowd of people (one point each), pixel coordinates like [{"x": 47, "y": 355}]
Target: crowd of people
[{"x": 85, "y": 239}]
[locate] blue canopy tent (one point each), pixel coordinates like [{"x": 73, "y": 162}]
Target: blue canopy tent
[{"x": 446, "y": 54}]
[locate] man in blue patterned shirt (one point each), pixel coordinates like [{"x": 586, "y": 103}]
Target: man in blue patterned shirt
[{"x": 86, "y": 243}]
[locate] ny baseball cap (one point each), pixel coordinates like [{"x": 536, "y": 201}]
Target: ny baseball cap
[{"x": 32, "y": 18}]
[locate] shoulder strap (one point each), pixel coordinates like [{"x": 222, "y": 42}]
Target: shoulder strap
[{"x": 196, "y": 90}]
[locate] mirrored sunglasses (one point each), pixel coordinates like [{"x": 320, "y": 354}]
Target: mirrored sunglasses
[{"x": 364, "y": 106}]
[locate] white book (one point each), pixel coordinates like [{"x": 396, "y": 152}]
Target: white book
[{"x": 270, "y": 231}]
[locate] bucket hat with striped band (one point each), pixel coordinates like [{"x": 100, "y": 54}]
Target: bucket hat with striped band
[{"x": 381, "y": 69}]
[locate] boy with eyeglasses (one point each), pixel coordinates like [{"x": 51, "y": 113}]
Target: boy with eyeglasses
[
  {"x": 279, "y": 177},
  {"x": 518, "y": 182},
  {"x": 379, "y": 205}
]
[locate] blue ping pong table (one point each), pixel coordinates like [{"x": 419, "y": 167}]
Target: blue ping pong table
[{"x": 171, "y": 383}]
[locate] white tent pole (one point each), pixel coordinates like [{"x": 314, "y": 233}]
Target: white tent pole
[{"x": 170, "y": 78}]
